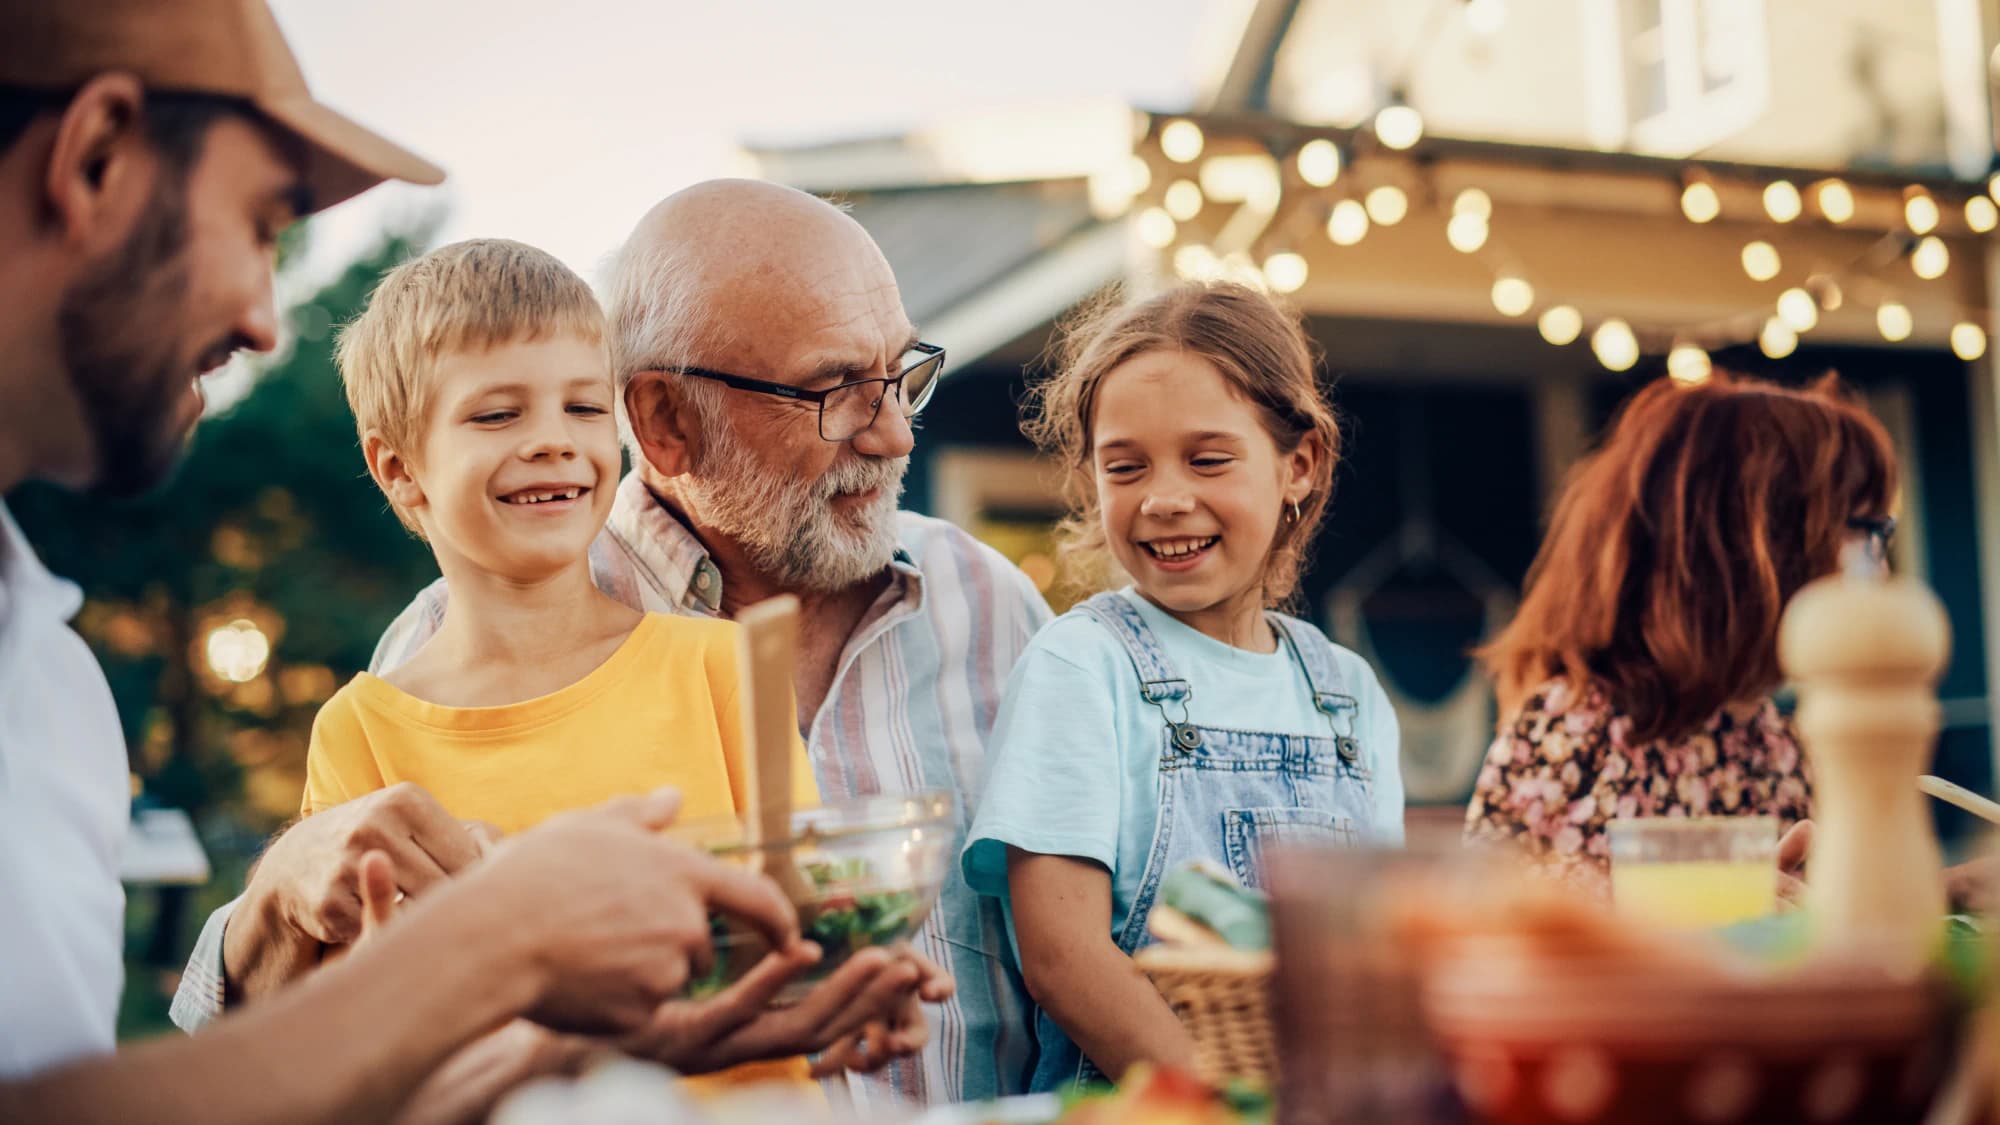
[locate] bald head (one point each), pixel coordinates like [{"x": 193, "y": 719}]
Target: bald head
[{"x": 728, "y": 267}]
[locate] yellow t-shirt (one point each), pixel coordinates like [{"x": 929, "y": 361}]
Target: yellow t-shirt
[{"x": 664, "y": 709}]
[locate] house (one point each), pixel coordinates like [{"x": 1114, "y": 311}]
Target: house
[{"x": 1500, "y": 219}]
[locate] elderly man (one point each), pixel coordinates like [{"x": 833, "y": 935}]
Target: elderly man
[
  {"x": 770, "y": 375},
  {"x": 149, "y": 156}
]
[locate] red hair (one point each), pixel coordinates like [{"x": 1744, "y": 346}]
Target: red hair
[{"x": 1676, "y": 545}]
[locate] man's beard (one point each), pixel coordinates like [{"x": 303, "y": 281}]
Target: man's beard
[
  {"x": 788, "y": 528},
  {"x": 120, "y": 325}
]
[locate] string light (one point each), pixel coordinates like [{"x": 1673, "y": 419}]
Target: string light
[
  {"x": 1893, "y": 320},
  {"x": 1140, "y": 174},
  {"x": 1197, "y": 263},
  {"x": 1920, "y": 210},
  {"x": 1836, "y": 201},
  {"x": 1560, "y": 324},
  {"x": 1981, "y": 215},
  {"x": 1782, "y": 202},
  {"x": 1285, "y": 271},
  {"x": 1472, "y": 201},
  {"x": 1798, "y": 310},
  {"x": 1968, "y": 340},
  {"x": 1688, "y": 365},
  {"x": 1348, "y": 224},
  {"x": 1760, "y": 260},
  {"x": 1513, "y": 296},
  {"x": 1399, "y": 126},
  {"x": 1616, "y": 347},
  {"x": 1466, "y": 232},
  {"x": 1930, "y": 259},
  {"x": 1699, "y": 201},
  {"x": 1777, "y": 340},
  {"x": 1993, "y": 186},
  {"x": 1156, "y": 228},
  {"x": 1183, "y": 200},
  {"x": 1319, "y": 162},
  {"x": 1387, "y": 205},
  {"x": 1181, "y": 141}
]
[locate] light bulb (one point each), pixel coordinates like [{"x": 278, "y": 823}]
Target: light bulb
[
  {"x": 1399, "y": 126},
  {"x": 1472, "y": 201},
  {"x": 1560, "y": 324},
  {"x": 1513, "y": 296},
  {"x": 1920, "y": 210},
  {"x": 1930, "y": 259},
  {"x": 1699, "y": 202},
  {"x": 1968, "y": 340},
  {"x": 1156, "y": 228},
  {"x": 1181, "y": 141},
  {"x": 1836, "y": 201},
  {"x": 1777, "y": 340},
  {"x": 1286, "y": 271},
  {"x": 1894, "y": 321},
  {"x": 1183, "y": 200},
  {"x": 1348, "y": 224},
  {"x": 1319, "y": 162},
  {"x": 1616, "y": 347},
  {"x": 1981, "y": 215},
  {"x": 1688, "y": 365},
  {"x": 1387, "y": 205},
  {"x": 1798, "y": 310},
  {"x": 1782, "y": 202},
  {"x": 1760, "y": 261},
  {"x": 1466, "y": 232}
]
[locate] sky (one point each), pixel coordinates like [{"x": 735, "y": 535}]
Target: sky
[{"x": 560, "y": 124}]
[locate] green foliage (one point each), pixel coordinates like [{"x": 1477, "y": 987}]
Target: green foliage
[{"x": 271, "y": 516}]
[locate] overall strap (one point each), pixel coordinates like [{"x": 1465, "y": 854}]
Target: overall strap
[
  {"x": 1159, "y": 683},
  {"x": 1323, "y": 677}
]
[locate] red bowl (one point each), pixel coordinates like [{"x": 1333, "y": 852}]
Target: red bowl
[{"x": 1534, "y": 1039}]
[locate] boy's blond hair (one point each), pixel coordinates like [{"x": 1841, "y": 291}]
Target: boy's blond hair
[{"x": 468, "y": 296}]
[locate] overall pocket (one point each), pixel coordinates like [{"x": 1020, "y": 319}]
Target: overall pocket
[{"x": 1246, "y": 831}]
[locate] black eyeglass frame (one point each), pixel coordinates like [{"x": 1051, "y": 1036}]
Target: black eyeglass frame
[{"x": 933, "y": 358}]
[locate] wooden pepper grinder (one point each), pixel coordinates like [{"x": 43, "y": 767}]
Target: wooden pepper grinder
[{"x": 1866, "y": 650}]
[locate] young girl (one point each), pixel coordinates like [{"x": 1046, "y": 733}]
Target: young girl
[{"x": 1176, "y": 719}]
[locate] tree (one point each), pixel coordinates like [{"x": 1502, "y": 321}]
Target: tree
[{"x": 271, "y": 520}]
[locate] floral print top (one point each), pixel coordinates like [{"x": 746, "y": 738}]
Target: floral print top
[{"x": 1563, "y": 767}]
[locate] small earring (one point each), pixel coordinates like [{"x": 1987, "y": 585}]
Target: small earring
[{"x": 1295, "y": 511}]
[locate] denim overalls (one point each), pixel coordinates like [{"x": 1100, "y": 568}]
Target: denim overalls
[{"x": 1222, "y": 792}]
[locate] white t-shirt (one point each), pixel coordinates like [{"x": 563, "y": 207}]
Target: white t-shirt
[{"x": 64, "y": 805}]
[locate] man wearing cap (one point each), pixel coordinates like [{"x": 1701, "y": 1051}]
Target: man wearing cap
[{"x": 150, "y": 153}]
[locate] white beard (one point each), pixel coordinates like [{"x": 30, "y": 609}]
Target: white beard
[{"x": 788, "y": 527}]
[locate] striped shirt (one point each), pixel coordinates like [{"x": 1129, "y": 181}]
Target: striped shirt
[{"x": 911, "y": 708}]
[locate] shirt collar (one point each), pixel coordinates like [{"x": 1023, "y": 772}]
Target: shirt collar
[
  {"x": 27, "y": 585},
  {"x": 687, "y": 574}
]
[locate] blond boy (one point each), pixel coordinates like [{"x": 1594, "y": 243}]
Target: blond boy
[{"x": 482, "y": 392}]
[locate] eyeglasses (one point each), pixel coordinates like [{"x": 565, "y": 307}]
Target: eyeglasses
[
  {"x": 848, "y": 409},
  {"x": 1880, "y": 530}
]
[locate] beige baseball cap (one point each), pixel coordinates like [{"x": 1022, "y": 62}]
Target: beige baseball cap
[{"x": 226, "y": 47}]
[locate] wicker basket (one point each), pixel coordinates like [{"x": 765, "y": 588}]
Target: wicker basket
[{"x": 1223, "y": 998}]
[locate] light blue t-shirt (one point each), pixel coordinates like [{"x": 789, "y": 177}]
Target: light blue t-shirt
[{"x": 1075, "y": 750}]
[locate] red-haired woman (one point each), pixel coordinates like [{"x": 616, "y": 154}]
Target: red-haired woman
[{"x": 1636, "y": 678}]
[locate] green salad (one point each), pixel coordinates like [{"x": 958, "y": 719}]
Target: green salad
[{"x": 842, "y": 919}]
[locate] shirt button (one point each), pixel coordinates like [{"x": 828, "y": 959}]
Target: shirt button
[{"x": 701, "y": 580}]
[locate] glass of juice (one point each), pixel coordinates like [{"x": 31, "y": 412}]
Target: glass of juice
[{"x": 1695, "y": 872}]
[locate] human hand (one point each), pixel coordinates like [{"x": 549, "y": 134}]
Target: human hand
[
  {"x": 305, "y": 891},
  {"x": 877, "y": 987},
  {"x": 614, "y": 916},
  {"x": 899, "y": 1029},
  {"x": 1794, "y": 848}
]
